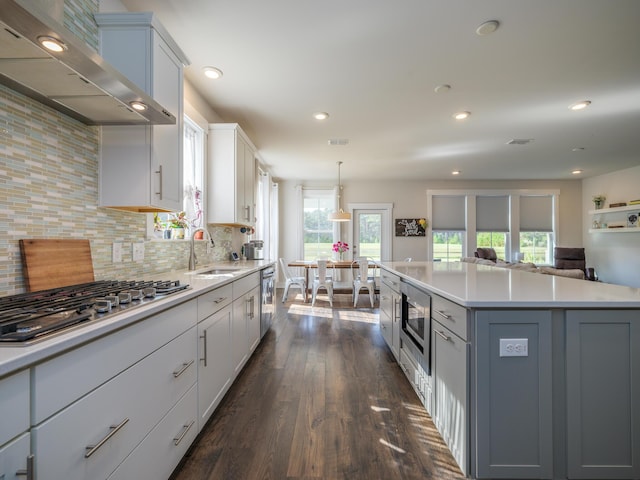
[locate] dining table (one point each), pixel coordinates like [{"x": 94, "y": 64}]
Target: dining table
[{"x": 337, "y": 264}]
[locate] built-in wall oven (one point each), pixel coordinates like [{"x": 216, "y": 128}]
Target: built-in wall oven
[
  {"x": 268, "y": 299},
  {"x": 416, "y": 320}
]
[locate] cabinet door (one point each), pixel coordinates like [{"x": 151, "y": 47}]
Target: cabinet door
[
  {"x": 396, "y": 321},
  {"x": 249, "y": 184},
  {"x": 167, "y": 139},
  {"x": 603, "y": 394},
  {"x": 239, "y": 334},
  {"x": 13, "y": 458},
  {"x": 241, "y": 147},
  {"x": 386, "y": 313},
  {"x": 450, "y": 380},
  {"x": 214, "y": 356},
  {"x": 253, "y": 318}
]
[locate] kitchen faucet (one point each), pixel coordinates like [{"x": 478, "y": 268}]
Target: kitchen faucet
[{"x": 192, "y": 251}]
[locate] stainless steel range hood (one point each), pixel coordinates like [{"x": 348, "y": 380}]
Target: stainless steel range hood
[{"x": 76, "y": 81}]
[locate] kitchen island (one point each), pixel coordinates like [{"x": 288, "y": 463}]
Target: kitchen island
[
  {"x": 124, "y": 396},
  {"x": 525, "y": 375}
]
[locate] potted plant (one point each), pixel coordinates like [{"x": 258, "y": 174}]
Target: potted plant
[
  {"x": 178, "y": 223},
  {"x": 598, "y": 201}
]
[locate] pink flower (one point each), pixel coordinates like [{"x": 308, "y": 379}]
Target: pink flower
[{"x": 340, "y": 247}]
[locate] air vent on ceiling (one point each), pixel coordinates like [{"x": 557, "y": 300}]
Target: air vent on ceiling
[
  {"x": 338, "y": 141},
  {"x": 520, "y": 141}
]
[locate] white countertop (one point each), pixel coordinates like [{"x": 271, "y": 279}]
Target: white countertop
[
  {"x": 16, "y": 358},
  {"x": 481, "y": 286}
]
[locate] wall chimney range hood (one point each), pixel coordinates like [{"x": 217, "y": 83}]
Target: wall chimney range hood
[{"x": 76, "y": 81}]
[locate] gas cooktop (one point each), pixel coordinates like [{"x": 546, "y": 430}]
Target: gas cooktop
[{"x": 29, "y": 317}]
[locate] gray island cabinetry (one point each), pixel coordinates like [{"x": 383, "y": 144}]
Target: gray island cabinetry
[{"x": 531, "y": 375}]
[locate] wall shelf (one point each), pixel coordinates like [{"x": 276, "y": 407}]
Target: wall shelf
[
  {"x": 614, "y": 230},
  {"x": 628, "y": 208}
]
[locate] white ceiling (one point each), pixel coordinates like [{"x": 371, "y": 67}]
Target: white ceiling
[{"x": 373, "y": 66}]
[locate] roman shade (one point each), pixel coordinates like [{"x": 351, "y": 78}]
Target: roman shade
[
  {"x": 492, "y": 214},
  {"x": 536, "y": 213},
  {"x": 448, "y": 212}
]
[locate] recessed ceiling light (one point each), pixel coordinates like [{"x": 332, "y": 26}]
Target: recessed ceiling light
[
  {"x": 444, "y": 88},
  {"x": 488, "y": 27},
  {"x": 576, "y": 172},
  {"x": 139, "y": 106},
  {"x": 461, "y": 115},
  {"x": 321, "y": 115},
  {"x": 212, "y": 72},
  {"x": 580, "y": 105},
  {"x": 52, "y": 44},
  {"x": 456, "y": 172}
]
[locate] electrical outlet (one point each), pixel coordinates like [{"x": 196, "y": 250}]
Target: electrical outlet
[
  {"x": 116, "y": 253},
  {"x": 514, "y": 347},
  {"x": 138, "y": 252}
]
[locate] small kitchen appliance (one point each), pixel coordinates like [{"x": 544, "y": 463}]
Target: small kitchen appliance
[{"x": 254, "y": 250}]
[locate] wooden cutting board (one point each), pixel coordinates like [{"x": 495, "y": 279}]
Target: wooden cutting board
[{"x": 52, "y": 263}]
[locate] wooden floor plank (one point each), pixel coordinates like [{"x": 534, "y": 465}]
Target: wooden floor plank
[{"x": 321, "y": 398}]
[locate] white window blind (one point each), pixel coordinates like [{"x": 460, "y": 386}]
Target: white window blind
[
  {"x": 536, "y": 213},
  {"x": 448, "y": 213},
  {"x": 492, "y": 213}
]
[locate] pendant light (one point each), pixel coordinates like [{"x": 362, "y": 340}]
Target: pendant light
[{"x": 340, "y": 215}]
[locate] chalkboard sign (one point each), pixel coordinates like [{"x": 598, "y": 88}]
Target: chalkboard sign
[{"x": 410, "y": 227}]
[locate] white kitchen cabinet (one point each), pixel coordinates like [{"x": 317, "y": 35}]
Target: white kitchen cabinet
[
  {"x": 245, "y": 330},
  {"x": 14, "y": 398},
  {"x": 231, "y": 176},
  {"x": 158, "y": 454},
  {"x": 141, "y": 166},
  {"x": 117, "y": 409},
  {"x": 14, "y": 458},
  {"x": 214, "y": 357},
  {"x": 253, "y": 318}
]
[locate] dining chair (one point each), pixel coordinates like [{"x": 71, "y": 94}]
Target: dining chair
[
  {"x": 322, "y": 280},
  {"x": 361, "y": 279},
  {"x": 292, "y": 280}
]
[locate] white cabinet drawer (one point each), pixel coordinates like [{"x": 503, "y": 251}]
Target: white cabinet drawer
[
  {"x": 390, "y": 279},
  {"x": 244, "y": 284},
  {"x": 386, "y": 300},
  {"x": 211, "y": 302},
  {"x": 449, "y": 314},
  {"x": 161, "y": 451},
  {"x": 14, "y": 405},
  {"x": 64, "y": 379},
  {"x": 136, "y": 399},
  {"x": 13, "y": 457}
]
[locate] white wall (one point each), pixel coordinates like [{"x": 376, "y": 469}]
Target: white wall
[
  {"x": 614, "y": 255},
  {"x": 410, "y": 201}
]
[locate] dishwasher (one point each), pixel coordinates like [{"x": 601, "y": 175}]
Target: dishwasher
[{"x": 268, "y": 299}]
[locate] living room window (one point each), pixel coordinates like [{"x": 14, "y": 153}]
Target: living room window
[
  {"x": 536, "y": 229},
  {"x": 492, "y": 223},
  {"x": 448, "y": 227}
]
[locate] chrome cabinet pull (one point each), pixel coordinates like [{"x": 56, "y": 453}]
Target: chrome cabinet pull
[
  {"x": 219, "y": 300},
  {"x": 204, "y": 350},
  {"x": 248, "y": 215},
  {"x": 185, "y": 428},
  {"x": 179, "y": 372},
  {"x": 91, "y": 449},
  {"x": 27, "y": 472},
  {"x": 159, "y": 172},
  {"x": 443, "y": 315},
  {"x": 442, "y": 335}
]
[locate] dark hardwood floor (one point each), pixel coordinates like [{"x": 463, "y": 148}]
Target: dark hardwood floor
[{"x": 321, "y": 398}]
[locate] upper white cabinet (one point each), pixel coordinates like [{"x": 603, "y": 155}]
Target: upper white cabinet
[
  {"x": 231, "y": 176},
  {"x": 141, "y": 166}
]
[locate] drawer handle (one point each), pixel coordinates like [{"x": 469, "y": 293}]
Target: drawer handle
[
  {"x": 185, "y": 429},
  {"x": 219, "y": 300},
  {"x": 159, "y": 172},
  {"x": 179, "y": 372},
  {"x": 91, "y": 449},
  {"x": 443, "y": 315},
  {"x": 446, "y": 338},
  {"x": 28, "y": 472},
  {"x": 204, "y": 350}
]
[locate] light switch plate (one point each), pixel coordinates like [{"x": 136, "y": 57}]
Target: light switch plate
[
  {"x": 514, "y": 347},
  {"x": 116, "y": 253},
  {"x": 138, "y": 252}
]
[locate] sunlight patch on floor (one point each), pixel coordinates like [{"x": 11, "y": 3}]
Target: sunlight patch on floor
[
  {"x": 358, "y": 316},
  {"x": 307, "y": 309},
  {"x": 391, "y": 445}
]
